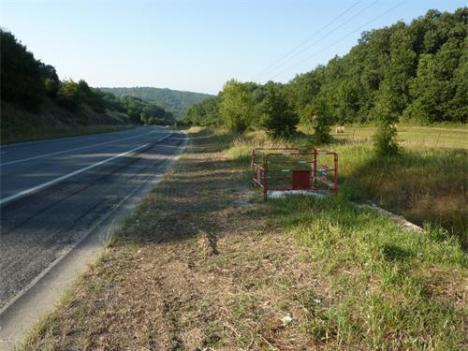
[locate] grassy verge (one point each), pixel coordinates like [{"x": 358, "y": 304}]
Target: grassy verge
[
  {"x": 61, "y": 133},
  {"x": 203, "y": 264}
]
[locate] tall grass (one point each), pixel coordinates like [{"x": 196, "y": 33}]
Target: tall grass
[
  {"x": 384, "y": 283},
  {"x": 425, "y": 184}
]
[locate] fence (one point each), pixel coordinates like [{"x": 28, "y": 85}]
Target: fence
[{"x": 294, "y": 170}]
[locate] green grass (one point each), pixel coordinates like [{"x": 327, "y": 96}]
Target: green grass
[
  {"x": 384, "y": 282},
  {"x": 448, "y": 136},
  {"x": 388, "y": 288},
  {"x": 425, "y": 184}
]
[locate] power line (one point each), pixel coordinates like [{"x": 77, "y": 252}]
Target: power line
[
  {"x": 342, "y": 38},
  {"x": 293, "y": 50},
  {"x": 331, "y": 31}
]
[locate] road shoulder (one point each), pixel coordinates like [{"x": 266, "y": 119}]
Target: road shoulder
[{"x": 46, "y": 291}]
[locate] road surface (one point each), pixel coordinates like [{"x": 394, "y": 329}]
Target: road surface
[{"x": 53, "y": 193}]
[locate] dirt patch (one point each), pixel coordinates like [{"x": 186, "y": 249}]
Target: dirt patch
[{"x": 197, "y": 267}]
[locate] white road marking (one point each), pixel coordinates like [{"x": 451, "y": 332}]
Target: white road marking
[
  {"x": 70, "y": 150},
  {"x": 60, "y": 139},
  {"x": 10, "y": 337},
  {"x": 45, "y": 185}
]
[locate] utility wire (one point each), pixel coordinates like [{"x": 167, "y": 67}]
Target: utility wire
[
  {"x": 330, "y": 32},
  {"x": 275, "y": 65},
  {"x": 342, "y": 38}
]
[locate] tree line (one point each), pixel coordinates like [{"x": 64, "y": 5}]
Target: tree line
[
  {"x": 174, "y": 101},
  {"x": 27, "y": 82},
  {"x": 416, "y": 72}
]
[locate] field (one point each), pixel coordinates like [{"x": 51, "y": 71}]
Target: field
[
  {"x": 235, "y": 273},
  {"x": 425, "y": 183},
  {"x": 450, "y": 136}
]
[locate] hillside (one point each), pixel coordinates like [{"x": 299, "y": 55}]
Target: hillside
[
  {"x": 53, "y": 120},
  {"x": 416, "y": 71},
  {"x": 36, "y": 104},
  {"x": 174, "y": 101}
]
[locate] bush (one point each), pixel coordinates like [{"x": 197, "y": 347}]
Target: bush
[
  {"x": 68, "y": 95},
  {"x": 385, "y": 139},
  {"x": 277, "y": 117},
  {"x": 317, "y": 115},
  {"x": 236, "y": 106}
]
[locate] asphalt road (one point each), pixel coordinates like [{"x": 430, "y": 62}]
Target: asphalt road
[{"x": 53, "y": 192}]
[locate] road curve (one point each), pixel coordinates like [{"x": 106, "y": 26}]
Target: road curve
[{"x": 53, "y": 192}]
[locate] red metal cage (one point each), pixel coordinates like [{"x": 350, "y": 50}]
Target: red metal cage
[{"x": 294, "y": 170}]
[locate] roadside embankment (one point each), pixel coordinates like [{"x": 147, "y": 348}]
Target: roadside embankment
[{"x": 53, "y": 121}]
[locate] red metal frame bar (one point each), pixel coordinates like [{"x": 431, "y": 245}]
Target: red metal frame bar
[{"x": 261, "y": 176}]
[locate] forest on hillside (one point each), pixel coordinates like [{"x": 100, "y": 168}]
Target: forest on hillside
[
  {"x": 174, "y": 101},
  {"x": 416, "y": 72},
  {"x": 29, "y": 84}
]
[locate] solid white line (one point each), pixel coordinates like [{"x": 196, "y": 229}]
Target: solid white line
[
  {"x": 59, "y": 139},
  {"x": 96, "y": 226},
  {"x": 42, "y": 186},
  {"x": 70, "y": 150}
]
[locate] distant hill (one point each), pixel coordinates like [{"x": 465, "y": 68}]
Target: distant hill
[
  {"x": 36, "y": 104},
  {"x": 174, "y": 101}
]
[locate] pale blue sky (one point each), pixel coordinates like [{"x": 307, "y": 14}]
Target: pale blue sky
[{"x": 197, "y": 45}]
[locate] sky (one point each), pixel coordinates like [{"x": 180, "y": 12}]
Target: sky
[{"x": 197, "y": 45}]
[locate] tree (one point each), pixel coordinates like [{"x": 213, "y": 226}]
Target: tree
[
  {"x": 348, "y": 104},
  {"x": 51, "y": 80},
  {"x": 387, "y": 115},
  {"x": 305, "y": 87},
  {"x": 416, "y": 71},
  {"x": 27, "y": 83},
  {"x": 51, "y": 87},
  {"x": 21, "y": 78},
  {"x": 277, "y": 116},
  {"x": 140, "y": 111},
  {"x": 204, "y": 113},
  {"x": 393, "y": 95},
  {"x": 438, "y": 87},
  {"x": 236, "y": 106},
  {"x": 68, "y": 95},
  {"x": 318, "y": 116},
  {"x": 421, "y": 66},
  {"x": 458, "y": 107}
]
